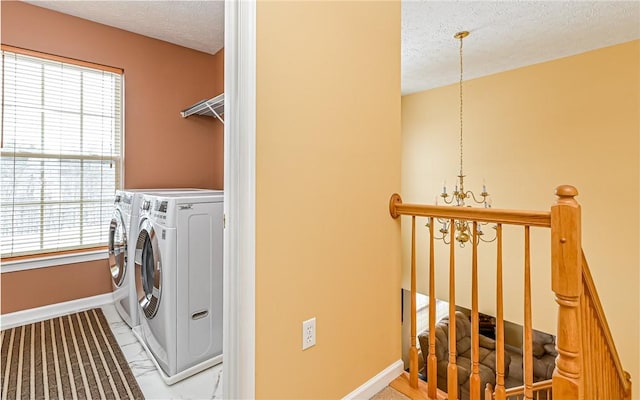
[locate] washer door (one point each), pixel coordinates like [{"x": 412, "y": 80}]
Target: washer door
[
  {"x": 117, "y": 249},
  {"x": 148, "y": 270}
]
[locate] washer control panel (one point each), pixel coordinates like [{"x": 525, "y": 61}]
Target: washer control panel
[{"x": 159, "y": 209}]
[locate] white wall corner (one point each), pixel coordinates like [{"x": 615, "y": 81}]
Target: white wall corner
[{"x": 368, "y": 389}]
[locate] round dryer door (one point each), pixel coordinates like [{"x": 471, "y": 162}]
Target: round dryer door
[
  {"x": 117, "y": 249},
  {"x": 148, "y": 270}
]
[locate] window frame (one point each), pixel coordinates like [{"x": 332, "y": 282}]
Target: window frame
[{"x": 77, "y": 253}]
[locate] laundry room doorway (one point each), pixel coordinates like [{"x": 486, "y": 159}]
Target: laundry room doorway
[{"x": 238, "y": 379}]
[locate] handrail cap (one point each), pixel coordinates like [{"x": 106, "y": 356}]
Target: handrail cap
[
  {"x": 393, "y": 201},
  {"x": 566, "y": 193}
]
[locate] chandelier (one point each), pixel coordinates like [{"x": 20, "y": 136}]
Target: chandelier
[{"x": 461, "y": 197}]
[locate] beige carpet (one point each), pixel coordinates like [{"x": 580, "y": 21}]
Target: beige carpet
[
  {"x": 389, "y": 393},
  {"x": 71, "y": 357}
]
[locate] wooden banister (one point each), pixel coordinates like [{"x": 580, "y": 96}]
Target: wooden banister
[
  {"x": 617, "y": 384},
  {"x": 511, "y": 217},
  {"x": 594, "y": 374},
  {"x": 566, "y": 282}
]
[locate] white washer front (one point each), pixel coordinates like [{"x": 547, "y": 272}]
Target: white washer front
[{"x": 178, "y": 264}]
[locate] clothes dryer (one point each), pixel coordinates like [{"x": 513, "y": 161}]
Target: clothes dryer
[
  {"x": 124, "y": 227},
  {"x": 178, "y": 268},
  {"x": 118, "y": 256}
]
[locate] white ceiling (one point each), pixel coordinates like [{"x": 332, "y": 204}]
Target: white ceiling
[
  {"x": 196, "y": 24},
  {"x": 504, "y": 34}
]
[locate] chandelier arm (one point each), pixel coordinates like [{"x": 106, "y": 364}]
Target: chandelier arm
[
  {"x": 487, "y": 240},
  {"x": 470, "y": 195},
  {"x": 452, "y": 199},
  {"x": 441, "y": 237}
]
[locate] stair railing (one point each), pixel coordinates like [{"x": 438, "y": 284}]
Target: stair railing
[
  {"x": 578, "y": 309},
  {"x": 602, "y": 366}
]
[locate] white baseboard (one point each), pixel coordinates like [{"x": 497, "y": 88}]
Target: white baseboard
[
  {"x": 18, "y": 318},
  {"x": 377, "y": 383}
]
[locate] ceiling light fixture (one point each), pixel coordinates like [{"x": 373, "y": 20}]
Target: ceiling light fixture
[{"x": 460, "y": 196}]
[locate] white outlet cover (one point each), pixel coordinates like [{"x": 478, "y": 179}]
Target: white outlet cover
[{"x": 308, "y": 333}]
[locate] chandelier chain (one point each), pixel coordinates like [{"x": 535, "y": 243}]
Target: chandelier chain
[{"x": 461, "y": 174}]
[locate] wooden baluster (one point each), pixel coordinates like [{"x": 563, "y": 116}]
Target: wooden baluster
[
  {"x": 500, "y": 393},
  {"x": 413, "y": 350},
  {"x": 627, "y": 393},
  {"x": 566, "y": 282},
  {"x": 586, "y": 316},
  {"x": 452, "y": 370},
  {"x": 528, "y": 332},
  {"x": 474, "y": 383},
  {"x": 488, "y": 392},
  {"x": 432, "y": 361}
]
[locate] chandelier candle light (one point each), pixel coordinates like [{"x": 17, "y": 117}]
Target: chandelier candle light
[{"x": 460, "y": 196}]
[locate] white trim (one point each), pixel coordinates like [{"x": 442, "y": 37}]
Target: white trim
[
  {"x": 32, "y": 315},
  {"x": 53, "y": 260},
  {"x": 238, "y": 379},
  {"x": 368, "y": 389}
]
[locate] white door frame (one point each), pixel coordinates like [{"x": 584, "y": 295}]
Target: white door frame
[{"x": 238, "y": 380}]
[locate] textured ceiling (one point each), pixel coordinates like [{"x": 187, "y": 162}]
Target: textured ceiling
[
  {"x": 194, "y": 24},
  {"x": 504, "y": 34}
]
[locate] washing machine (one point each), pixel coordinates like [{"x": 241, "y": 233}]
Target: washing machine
[
  {"x": 124, "y": 227},
  {"x": 178, "y": 277}
]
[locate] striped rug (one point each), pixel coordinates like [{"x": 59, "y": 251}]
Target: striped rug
[{"x": 71, "y": 357}]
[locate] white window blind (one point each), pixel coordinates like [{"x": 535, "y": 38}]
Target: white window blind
[{"x": 61, "y": 154}]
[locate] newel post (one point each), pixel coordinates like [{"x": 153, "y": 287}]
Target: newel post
[{"x": 566, "y": 282}]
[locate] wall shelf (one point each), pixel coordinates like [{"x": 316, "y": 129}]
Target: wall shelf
[{"x": 213, "y": 107}]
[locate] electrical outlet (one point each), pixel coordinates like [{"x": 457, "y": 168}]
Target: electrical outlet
[{"x": 308, "y": 333}]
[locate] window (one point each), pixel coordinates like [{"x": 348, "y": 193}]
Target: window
[{"x": 61, "y": 153}]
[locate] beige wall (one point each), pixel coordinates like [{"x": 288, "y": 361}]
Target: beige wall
[
  {"x": 162, "y": 149},
  {"x": 574, "y": 120},
  {"x": 328, "y": 158}
]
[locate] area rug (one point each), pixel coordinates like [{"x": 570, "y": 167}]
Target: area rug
[{"x": 71, "y": 357}]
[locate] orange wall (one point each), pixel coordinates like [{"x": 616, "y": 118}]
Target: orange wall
[
  {"x": 162, "y": 149},
  {"x": 327, "y": 160},
  {"x": 37, "y": 287}
]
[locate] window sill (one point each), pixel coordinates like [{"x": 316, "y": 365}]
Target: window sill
[{"x": 52, "y": 261}]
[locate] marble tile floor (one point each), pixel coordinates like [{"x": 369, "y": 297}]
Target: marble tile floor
[{"x": 204, "y": 385}]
